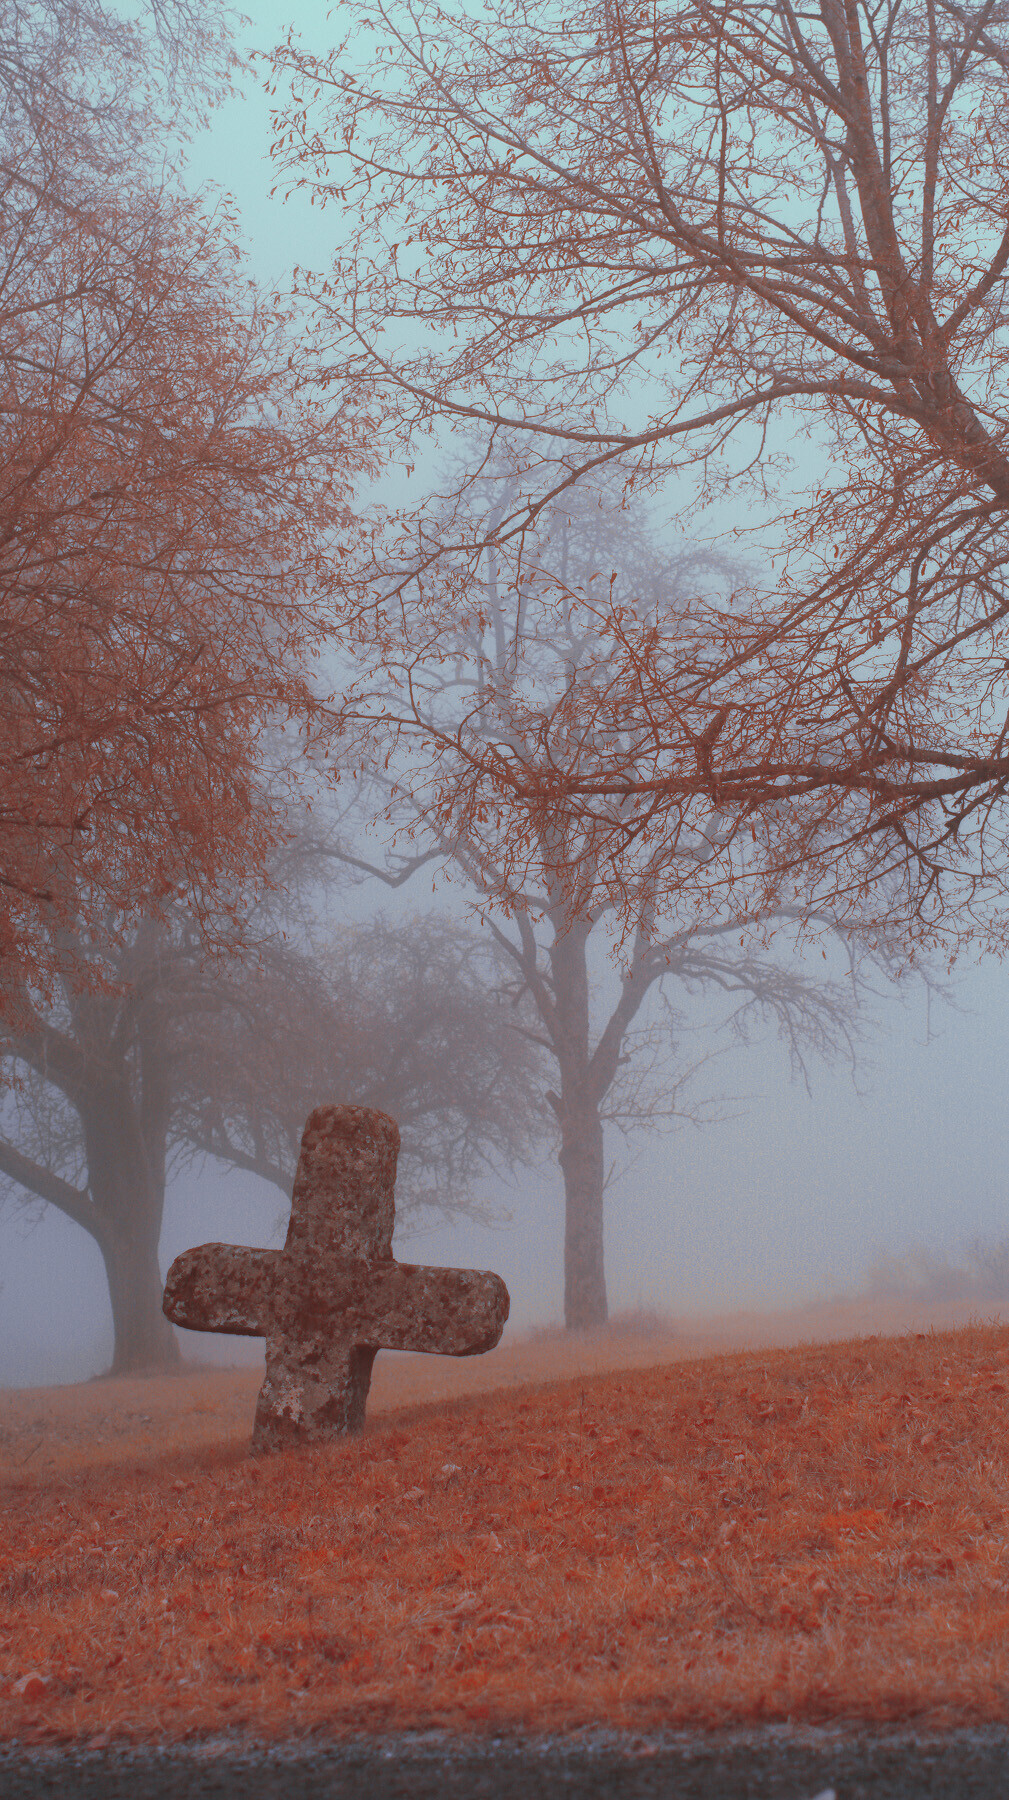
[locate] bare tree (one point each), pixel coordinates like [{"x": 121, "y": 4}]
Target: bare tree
[
  {"x": 165, "y": 1058},
  {"x": 90, "y": 1085},
  {"x": 731, "y": 239},
  {"x": 86, "y": 86},
  {"x": 412, "y": 1018},
  {"x": 610, "y": 1069},
  {"x": 522, "y": 639}
]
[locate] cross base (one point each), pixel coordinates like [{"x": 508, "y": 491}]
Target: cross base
[{"x": 296, "y": 1406}]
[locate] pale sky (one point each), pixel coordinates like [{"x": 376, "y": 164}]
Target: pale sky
[{"x": 788, "y": 1201}]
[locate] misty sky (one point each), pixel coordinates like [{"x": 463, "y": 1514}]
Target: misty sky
[{"x": 790, "y": 1199}]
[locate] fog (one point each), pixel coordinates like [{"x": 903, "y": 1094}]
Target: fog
[
  {"x": 789, "y": 1201},
  {"x": 786, "y": 1201}
]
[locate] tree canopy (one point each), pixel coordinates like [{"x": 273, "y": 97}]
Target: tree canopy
[
  {"x": 166, "y": 508},
  {"x": 732, "y": 242}
]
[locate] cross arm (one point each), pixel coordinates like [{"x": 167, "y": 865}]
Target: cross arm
[
  {"x": 447, "y": 1312},
  {"x": 224, "y": 1287}
]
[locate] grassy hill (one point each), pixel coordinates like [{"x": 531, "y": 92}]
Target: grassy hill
[{"x": 803, "y": 1533}]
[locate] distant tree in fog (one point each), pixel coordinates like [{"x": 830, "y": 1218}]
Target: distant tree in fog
[
  {"x": 414, "y": 1018},
  {"x": 980, "y": 1274},
  {"x": 498, "y": 671},
  {"x": 88, "y": 86},
  {"x": 163, "y": 1058}
]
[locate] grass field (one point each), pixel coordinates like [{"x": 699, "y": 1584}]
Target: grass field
[{"x": 803, "y": 1533}]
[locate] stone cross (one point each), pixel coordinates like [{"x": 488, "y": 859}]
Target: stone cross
[{"x": 333, "y": 1296}]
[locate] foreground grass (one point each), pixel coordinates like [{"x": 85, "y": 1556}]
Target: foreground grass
[{"x": 802, "y": 1534}]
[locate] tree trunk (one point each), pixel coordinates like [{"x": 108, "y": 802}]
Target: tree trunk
[
  {"x": 128, "y": 1196},
  {"x": 144, "y": 1339},
  {"x": 577, "y": 1110},
  {"x": 581, "y": 1159}
]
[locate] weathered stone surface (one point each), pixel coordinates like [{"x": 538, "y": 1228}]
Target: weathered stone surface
[{"x": 334, "y": 1295}]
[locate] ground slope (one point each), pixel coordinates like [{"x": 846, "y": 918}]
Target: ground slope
[{"x": 808, "y": 1533}]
